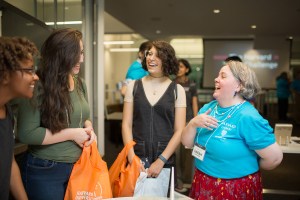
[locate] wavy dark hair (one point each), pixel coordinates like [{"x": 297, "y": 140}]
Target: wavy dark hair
[
  {"x": 166, "y": 53},
  {"x": 59, "y": 54},
  {"x": 13, "y": 50},
  {"x": 186, "y": 64}
]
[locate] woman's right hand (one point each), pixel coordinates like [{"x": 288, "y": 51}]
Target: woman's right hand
[
  {"x": 80, "y": 136},
  {"x": 205, "y": 121},
  {"x": 130, "y": 157}
]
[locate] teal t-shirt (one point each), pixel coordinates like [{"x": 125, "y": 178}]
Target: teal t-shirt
[
  {"x": 136, "y": 71},
  {"x": 230, "y": 148}
]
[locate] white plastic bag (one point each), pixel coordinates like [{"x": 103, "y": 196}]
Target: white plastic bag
[{"x": 154, "y": 187}]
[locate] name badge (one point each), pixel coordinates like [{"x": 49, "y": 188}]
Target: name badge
[{"x": 199, "y": 151}]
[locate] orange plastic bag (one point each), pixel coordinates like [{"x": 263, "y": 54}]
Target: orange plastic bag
[
  {"x": 123, "y": 176},
  {"x": 89, "y": 178}
]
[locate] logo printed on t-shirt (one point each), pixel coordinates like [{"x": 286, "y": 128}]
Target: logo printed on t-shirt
[{"x": 225, "y": 128}]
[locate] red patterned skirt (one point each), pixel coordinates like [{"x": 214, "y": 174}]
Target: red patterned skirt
[{"x": 205, "y": 187}]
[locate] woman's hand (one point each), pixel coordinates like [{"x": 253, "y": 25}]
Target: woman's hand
[
  {"x": 80, "y": 136},
  {"x": 155, "y": 168},
  {"x": 205, "y": 121},
  {"x": 93, "y": 136}
]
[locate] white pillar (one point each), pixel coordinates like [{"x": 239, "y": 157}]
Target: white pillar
[{"x": 93, "y": 29}]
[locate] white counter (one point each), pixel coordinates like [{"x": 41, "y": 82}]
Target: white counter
[
  {"x": 177, "y": 196},
  {"x": 292, "y": 147}
]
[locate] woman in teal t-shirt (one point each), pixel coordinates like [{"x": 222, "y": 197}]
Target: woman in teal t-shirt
[{"x": 231, "y": 140}]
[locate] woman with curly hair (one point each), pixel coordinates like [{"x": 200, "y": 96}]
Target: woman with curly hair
[
  {"x": 154, "y": 110},
  {"x": 17, "y": 79},
  {"x": 56, "y": 123}
]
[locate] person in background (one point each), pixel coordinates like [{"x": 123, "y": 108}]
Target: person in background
[
  {"x": 295, "y": 89},
  {"x": 17, "y": 79},
  {"x": 184, "y": 159},
  {"x": 233, "y": 58},
  {"x": 154, "y": 110},
  {"x": 295, "y": 85},
  {"x": 231, "y": 141},
  {"x": 283, "y": 93},
  {"x": 55, "y": 124},
  {"x": 136, "y": 71}
]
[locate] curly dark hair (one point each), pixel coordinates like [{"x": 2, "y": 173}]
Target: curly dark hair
[
  {"x": 166, "y": 53},
  {"x": 186, "y": 64},
  {"x": 59, "y": 54},
  {"x": 13, "y": 50}
]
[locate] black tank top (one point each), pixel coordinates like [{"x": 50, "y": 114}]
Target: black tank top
[
  {"x": 6, "y": 149},
  {"x": 153, "y": 125}
]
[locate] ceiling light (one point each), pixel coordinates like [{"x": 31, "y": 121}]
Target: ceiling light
[
  {"x": 64, "y": 23},
  {"x": 188, "y": 47},
  {"x": 124, "y": 49},
  {"x": 118, "y": 42},
  {"x": 216, "y": 11},
  {"x": 253, "y": 26},
  {"x": 157, "y": 31},
  {"x": 30, "y": 24},
  {"x": 189, "y": 56}
]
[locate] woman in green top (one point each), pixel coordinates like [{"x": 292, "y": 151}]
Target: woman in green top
[{"x": 56, "y": 122}]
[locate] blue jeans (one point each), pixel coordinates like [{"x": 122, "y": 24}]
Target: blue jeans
[{"x": 45, "y": 179}]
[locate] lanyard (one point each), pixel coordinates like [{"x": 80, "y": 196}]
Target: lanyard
[{"x": 231, "y": 112}]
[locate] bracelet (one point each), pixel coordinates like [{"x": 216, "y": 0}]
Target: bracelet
[{"x": 162, "y": 158}]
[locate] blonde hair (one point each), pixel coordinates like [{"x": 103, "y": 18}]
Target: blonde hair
[{"x": 247, "y": 78}]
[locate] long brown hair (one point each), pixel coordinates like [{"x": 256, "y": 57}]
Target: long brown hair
[{"x": 59, "y": 54}]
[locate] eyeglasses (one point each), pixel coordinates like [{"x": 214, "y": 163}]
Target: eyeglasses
[
  {"x": 150, "y": 54},
  {"x": 30, "y": 71}
]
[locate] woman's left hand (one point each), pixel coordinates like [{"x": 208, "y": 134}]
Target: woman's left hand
[
  {"x": 93, "y": 136},
  {"x": 155, "y": 168}
]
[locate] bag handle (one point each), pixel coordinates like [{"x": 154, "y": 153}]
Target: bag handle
[
  {"x": 91, "y": 153},
  {"x": 128, "y": 146},
  {"x": 95, "y": 155}
]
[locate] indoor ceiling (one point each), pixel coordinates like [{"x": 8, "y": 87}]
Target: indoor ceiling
[{"x": 161, "y": 19}]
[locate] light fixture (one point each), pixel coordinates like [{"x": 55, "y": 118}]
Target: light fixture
[
  {"x": 188, "y": 47},
  {"x": 124, "y": 49},
  {"x": 119, "y": 42},
  {"x": 216, "y": 11},
  {"x": 64, "y": 23},
  {"x": 189, "y": 56},
  {"x": 253, "y": 26}
]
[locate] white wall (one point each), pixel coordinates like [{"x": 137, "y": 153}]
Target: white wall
[{"x": 116, "y": 65}]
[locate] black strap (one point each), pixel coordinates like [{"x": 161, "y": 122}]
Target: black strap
[
  {"x": 10, "y": 114},
  {"x": 176, "y": 91},
  {"x": 135, "y": 87}
]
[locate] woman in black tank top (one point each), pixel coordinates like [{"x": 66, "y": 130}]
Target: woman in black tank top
[{"x": 154, "y": 111}]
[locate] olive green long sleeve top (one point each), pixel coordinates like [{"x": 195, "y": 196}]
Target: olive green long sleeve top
[{"x": 30, "y": 130}]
